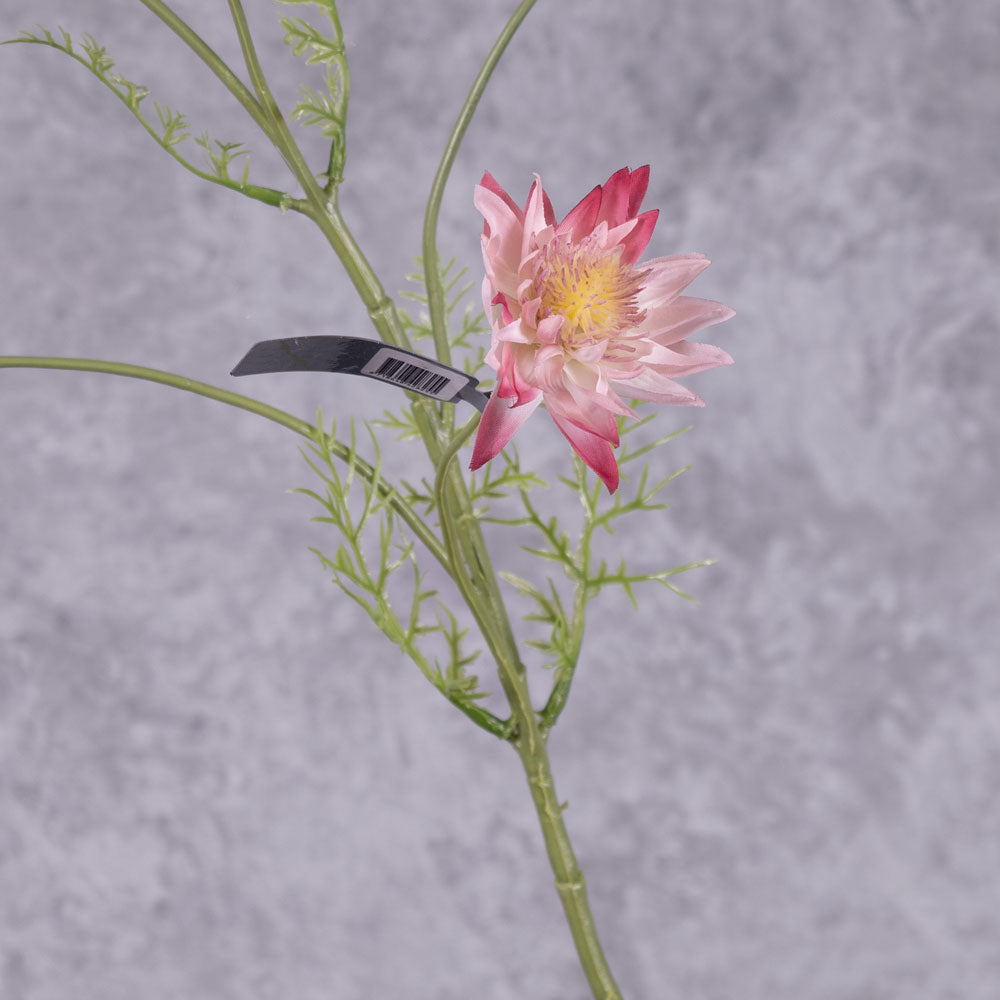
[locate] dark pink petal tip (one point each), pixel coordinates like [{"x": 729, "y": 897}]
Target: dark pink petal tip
[
  {"x": 500, "y": 420},
  {"x": 639, "y": 183},
  {"x": 490, "y": 183}
]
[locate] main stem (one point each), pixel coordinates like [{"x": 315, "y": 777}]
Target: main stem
[
  {"x": 569, "y": 879},
  {"x": 477, "y": 584}
]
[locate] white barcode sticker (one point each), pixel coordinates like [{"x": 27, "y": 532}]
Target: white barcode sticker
[{"x": 415, "y": 373}]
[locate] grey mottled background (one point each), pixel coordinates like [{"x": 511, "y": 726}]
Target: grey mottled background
[{"x": 217, "y": 782}]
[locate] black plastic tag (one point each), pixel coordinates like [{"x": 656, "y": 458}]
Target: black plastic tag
[{"x": 358, "y": 356}]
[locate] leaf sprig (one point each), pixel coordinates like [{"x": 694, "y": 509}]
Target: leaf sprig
[
  {"x": 373, "y": 550},
  {"x": 495, "y": 484},
  {"x": 325, "y": 109},
  {"x": 563, "y": 617},
  {"x": 470, "y": 338},
  {"x": 170, "y": 128}
]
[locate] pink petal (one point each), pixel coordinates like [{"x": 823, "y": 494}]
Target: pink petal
[
  {"x": 683, "y": 317},
  {"x": 502, "y": 216},
  {"x": 523, "y": 376},
  {"x": 550, "y": 215},
  {"x": 515, "y": 376},
  {"x": 583, "y": 412},
  {"x": 582, "y": 218},
  {"x": 638, "y": 183},
  {"x": 668, "y": 276},
  {"x": 529, "y": 312},
  {"x": 590, "y": 354},
  {"x": 616, "y": 236},
  {"x": 595, "y": 451},
  {"x": 505, "y": 314},
  {"x": 636, "y": 242},
  {"x": 535, "y": 220},
  {"x": 687, "y": 357},
  {"x": 657, "y": 388},
  {"x": 591, "y": 390},
  {"x": 489, "y": 182},
  {"x": 547, "y": 367},
  {"x": 501, "y": 418},
  {"x": 548, "y": 329},
  {"x": 620, "y": 369},
  {"x": 501, "y": 240},
  {"x": 615, "y": 196},
  {"x": 513, "y": 333}
]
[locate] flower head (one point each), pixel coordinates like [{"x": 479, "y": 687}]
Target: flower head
[{"x": 577, "y": 319}]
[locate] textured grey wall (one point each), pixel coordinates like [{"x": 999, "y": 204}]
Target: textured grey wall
[{"x": 215, "y": 781}]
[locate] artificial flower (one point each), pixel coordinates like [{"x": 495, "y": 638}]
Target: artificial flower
[{"x": 579, "y": 322}]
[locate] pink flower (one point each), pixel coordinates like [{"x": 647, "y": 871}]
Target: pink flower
[{"x": 577, "y": 320}]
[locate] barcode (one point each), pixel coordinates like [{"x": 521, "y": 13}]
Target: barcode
[
  {"x": 412, "y": 376},
  {"x": 415, "y": 372}
]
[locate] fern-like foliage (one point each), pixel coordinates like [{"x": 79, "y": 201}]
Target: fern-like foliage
[
  {"x": 471, "y": 339},
  {"x": 169, "y": 128},
  {"x": 563, "y": 616},
  {"x": 372, "y": 558},
  {"x": 326, "y": 109},
  {"x": 501, "y": 478}
]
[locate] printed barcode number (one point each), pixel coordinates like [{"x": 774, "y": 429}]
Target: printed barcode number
[{"x": 411, "y": 375}]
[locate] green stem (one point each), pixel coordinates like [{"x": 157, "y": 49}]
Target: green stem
[
  {"x": 528, "y": 735},
  {"x": 564, "y": 674},
  {"x": 568, "y": 878},
  {"x": 277, "y": 128},
  {"x": 338, "y": 144},
  {"x": 307, "y": 430},
  {"x": 262, "y": 107},
  {"x": 432, "y": 271},
  {"x": 324, "y": 211},
  {"x": 164, "y": 378},
  {"x": 317, "y": 204},
  {"x": 210, "y": 58},
  {"x": 454, "y": 496},
  {"x": 481, "y": 594},
  {"x": 457, "y": 524},
  {"x": 381, "y": 309}
]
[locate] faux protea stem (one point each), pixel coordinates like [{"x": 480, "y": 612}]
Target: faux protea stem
[{"x": 575, "y": 319}]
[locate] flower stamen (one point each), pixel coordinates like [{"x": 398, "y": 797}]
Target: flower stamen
[{"x": 590, "y": 287}]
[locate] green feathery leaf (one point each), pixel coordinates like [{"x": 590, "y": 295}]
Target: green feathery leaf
[
  {"x": 170, "y": 129},
  {"x": 588, "y": 573},
  {"x": 365, "y": 566},
  {"x": 324, "y": 110}
]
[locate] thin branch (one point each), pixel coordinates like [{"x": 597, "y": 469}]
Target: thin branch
[
  {"x": 386, "y": 490},
  {"x": 211, "y": 59},
  {"x": 435, "y": 288}
]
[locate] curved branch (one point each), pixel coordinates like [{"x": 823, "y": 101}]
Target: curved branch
[
  {"x": 303, "y": 427},
  {"x": 432, "y": 276}
]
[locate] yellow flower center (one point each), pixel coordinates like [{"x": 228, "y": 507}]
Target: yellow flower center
[{"x": 590, "y": 287}]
